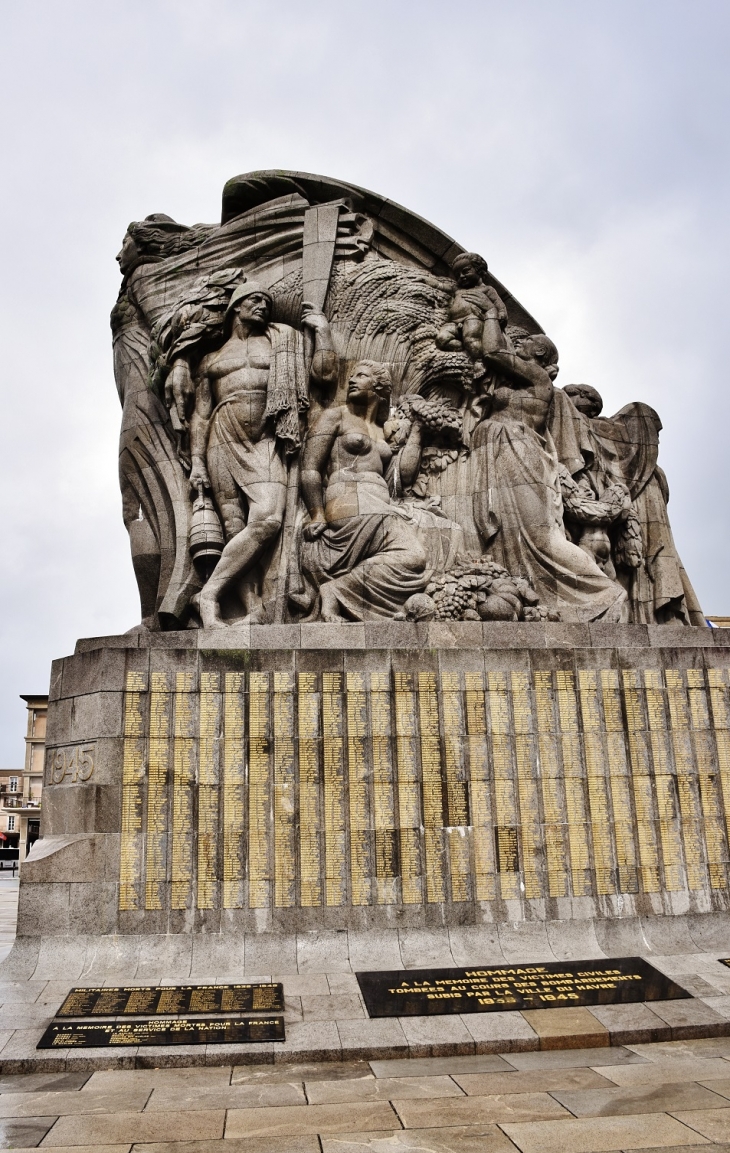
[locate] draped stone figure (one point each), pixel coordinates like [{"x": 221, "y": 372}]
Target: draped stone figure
[
  {"x": 518, "y": 504},
  {"x": 625, "y": 447}
]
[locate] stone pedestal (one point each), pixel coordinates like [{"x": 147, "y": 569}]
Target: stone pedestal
[{"x": 203, "y": 789}]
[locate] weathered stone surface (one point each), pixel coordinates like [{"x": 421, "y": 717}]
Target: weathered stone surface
[
  {"x": 354, "y": 420},
  {"x": 391, "y": 812}
]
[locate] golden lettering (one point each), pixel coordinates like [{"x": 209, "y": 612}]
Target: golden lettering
[
  {"x": 208, "y": 814},
  {"x": 156, "y": 831},
  {"x": 182, "y": 794},
  {"x": 234, "y": 793},
  {"x": 133, "y": 767}
]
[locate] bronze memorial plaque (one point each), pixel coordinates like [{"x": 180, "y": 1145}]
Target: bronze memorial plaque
[
  {"x": 496, "y": 988},
  {"x": 261, "y": 997},
  {"x": 94, "y": 1034}
]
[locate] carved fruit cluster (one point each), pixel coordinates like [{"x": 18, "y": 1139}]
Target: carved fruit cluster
[
  {"x": 485, "y": 591},
  {"x": 438, "y": 415}
]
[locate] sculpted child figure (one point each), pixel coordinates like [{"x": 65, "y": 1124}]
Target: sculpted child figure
[{"x": 472, "y": 298}]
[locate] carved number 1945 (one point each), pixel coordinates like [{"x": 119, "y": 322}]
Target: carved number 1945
[{"x": 76, "y": 763}]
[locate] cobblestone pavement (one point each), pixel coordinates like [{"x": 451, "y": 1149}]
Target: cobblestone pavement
[
  {"x": 8, "y": 910},
  {"x": 647, "y": 1097}
]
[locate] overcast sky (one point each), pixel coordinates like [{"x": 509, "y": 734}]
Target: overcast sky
[{"x": 580, "y": 146}]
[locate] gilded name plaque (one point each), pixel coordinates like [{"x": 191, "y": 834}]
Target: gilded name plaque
[
  {"x": 95, "y": 1034},
  {"x": 492, "y": 989},
  {"x": 264, "y": 997}
]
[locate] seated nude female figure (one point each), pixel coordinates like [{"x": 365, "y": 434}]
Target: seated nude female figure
[{"x": 360, "y": 549}]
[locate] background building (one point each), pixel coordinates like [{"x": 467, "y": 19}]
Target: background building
[{"x": 20, "y": 789}]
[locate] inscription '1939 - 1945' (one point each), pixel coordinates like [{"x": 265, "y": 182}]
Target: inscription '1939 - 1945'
[{"x": 72, "y": 764}]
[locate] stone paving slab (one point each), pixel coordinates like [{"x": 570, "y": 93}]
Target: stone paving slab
[
  {"x": 200, "y": 1124},
  {"x": 711, "y": 1123},
  {"x": 478, "y": 1110},
  {"x": 594, "y": 1134},
  {"x": 381, "y": 1088},
  {"x": 456, "y": 1139},
  {"x": 301, "y": 1119},
  {"x": 666, "y": 1098},
  {"x": 537, "y": 1081},
  {"x": 305, "y": 1144},
  {"x": 665, "y": 1072}
]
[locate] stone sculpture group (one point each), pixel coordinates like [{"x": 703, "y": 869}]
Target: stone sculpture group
[{"x": 332, "y": 412}]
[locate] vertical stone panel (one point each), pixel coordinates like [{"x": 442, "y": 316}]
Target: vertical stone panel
[
  {"x": 259, "y": 787},
  {"x": 157, "y": 805},
  {"x": 208, "y": 790},
  {"x": 457, "y": 797},
  {"x": 432, "y": 785},
  {"x": 641, "y": 780},
  {"x": 334, "y": 790},
  {"x": 481, "y": 802},
  {"x": 665, "y": 782},
  {"x": 526, "y": 757},
  {"x": 575, "y": 801},
  {"x": 717, "y": 679},
  {"x": 183, "y": 832},
  {"x": 358, "y": 785},
  {"x": 601, "y": 825},
  {"x": 234, "y": 793},
  {"x": 386, "y": 848},
  {"x": 409, "y": 809},
  {"x": 552, "y": 795},
  {"x": 707, "y": 769},
  {"x": 687, "y": 785},
  {"x": 310, "y": 783},
  {"x": 623, "y": 815},
  {"x": 133, "y": 774},
  {"x": 505, "y": 805},
  {"x": 285, "y": 873}
]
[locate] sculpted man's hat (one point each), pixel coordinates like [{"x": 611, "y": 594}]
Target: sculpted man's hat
[{"x": 248, "y": 288}]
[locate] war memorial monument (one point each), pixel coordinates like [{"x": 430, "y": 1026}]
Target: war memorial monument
[{"x": 420, "y": 681}]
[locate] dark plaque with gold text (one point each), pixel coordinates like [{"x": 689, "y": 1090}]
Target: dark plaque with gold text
[
  {"x": 491, "y": 989},
  {"x": 170, "y": 1000},
  {"x": 94, "y": 1034}
]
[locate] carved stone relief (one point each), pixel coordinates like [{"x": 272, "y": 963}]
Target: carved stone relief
[{"x": 332, "y": 412}]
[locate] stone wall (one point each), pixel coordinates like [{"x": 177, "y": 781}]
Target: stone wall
[{"x": 312, "y": 777}]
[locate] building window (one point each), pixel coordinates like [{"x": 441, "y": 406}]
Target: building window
[
  {"x": 11, "y": 824},
  {"x": 13, "y": 784}
]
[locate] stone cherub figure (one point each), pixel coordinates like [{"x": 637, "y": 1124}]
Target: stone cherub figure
[
  {"x": 468, "y": 308},
  {"x": 249, "y": 394}
]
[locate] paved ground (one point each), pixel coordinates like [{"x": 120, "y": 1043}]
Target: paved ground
[
  {"x": 569, "y": 1101},
  {"x": 326, "y": 1019},
  {"x": 8, "y": 910}
]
